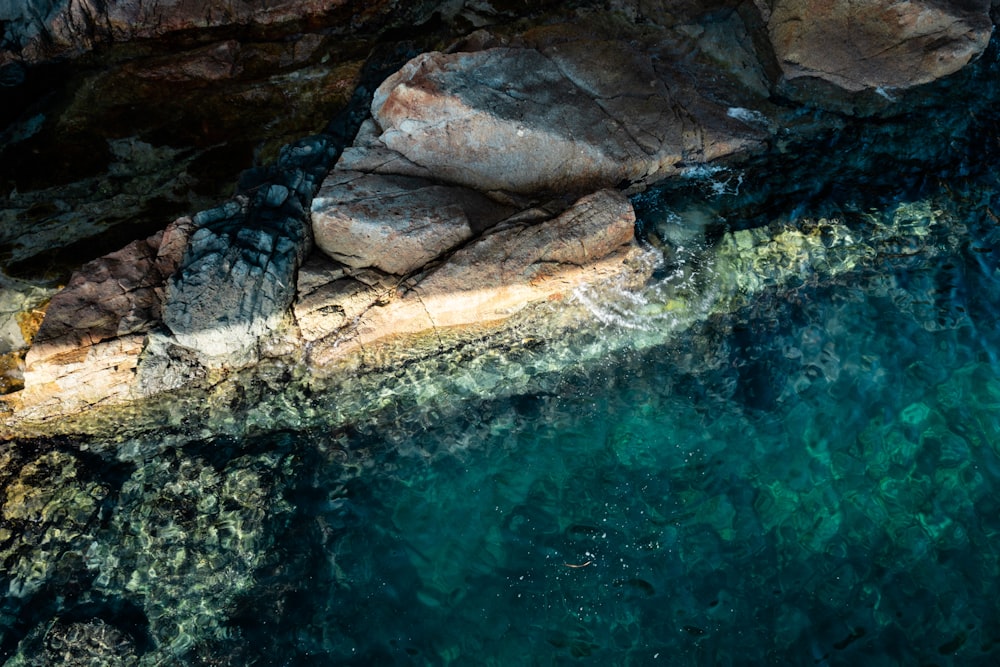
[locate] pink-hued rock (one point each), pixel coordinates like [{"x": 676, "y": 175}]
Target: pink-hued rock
[
  {"x": 874, "y": 46},
  {"x": 565, "y": 115},
  {"x": 396, "y": 224},
  {"x": 483, "y": 283},
  {"x": 88, "y": 346}
]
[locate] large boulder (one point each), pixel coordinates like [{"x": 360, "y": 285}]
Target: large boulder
[
  {"x": 564, "y": 114},
  {"x": 827, "y": 49}
]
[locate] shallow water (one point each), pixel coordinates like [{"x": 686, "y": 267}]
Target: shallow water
[
  {"x": 785, "y": 450},
  {"x": 822, "y": 493},
  {"x": 808, "y": 479}
]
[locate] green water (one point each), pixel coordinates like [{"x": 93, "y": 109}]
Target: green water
[
  {"x": 807, "y": 476},
  {"x": 783, "y": 450},
  {"x": 815, "y": 483}
]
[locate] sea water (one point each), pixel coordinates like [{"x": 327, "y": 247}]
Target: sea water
[
  {"x": 809, "y": 480},
  {"x": 803, "y": 471},
  {"x": 783, "y": 450}
]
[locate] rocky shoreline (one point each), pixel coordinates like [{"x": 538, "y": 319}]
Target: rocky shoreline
[{"x": 487, "y": 178}]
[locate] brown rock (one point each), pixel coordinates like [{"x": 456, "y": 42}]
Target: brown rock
[
  {"x": 563, "y": 114},
  {"x": 396, "y": 223},
  {"x": 873, "y": 46},
  {"x": 89, "y": 343},
  {"x": 489, "y": 280}
]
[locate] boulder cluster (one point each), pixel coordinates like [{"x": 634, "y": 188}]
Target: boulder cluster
[{"x": 487, "y": 176}]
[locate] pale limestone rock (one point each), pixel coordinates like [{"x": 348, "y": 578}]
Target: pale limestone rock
[
  {"x": 395, "y": 223},
  {"x": 878, "y": 47}
]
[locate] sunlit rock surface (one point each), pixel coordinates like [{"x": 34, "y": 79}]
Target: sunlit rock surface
[
  {"x": 396, "y": 224},
  {"x": 827, "y": 49},
  {"x": 563, "y": 115},
  {"x": 490, "y": 142},
  {"x": 483, "y": 283}
]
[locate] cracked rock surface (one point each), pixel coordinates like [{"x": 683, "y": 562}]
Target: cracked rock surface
[{"x": 828, "y": 49}]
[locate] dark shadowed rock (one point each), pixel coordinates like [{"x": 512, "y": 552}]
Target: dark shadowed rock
[{"x": 237, "y": 278}]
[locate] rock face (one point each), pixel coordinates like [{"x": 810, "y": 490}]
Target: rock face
[
  {"x": 40, "y": 29},
  {"x": 878, "y": 47},
  {"x": 199, "y": 296},
  {"x": 396, "y": 224},
  {"x": 88, "y": 346},
  {"x": 485, "y": 282},
  {"x": 569, "y": 116},
  {"x": 486, "y": 180},
  {"x": 237, "y": 278}
]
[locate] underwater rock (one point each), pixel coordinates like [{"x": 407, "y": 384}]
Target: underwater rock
[
  {"x": 396, "y": 224},
  {"x": 77, "y": 644},
  {"x": 829, "y": 50}
]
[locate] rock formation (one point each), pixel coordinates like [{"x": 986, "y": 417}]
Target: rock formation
[
  {"x": 488, "y": 177},
  {"x": 829, "y": 50}
]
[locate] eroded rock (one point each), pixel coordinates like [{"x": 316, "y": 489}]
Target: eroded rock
[
  {"x": 826, "y": 49},
  {"x": 237, "y": 278},
  {"x": 396, "y": 224},
  {"x": 561, "y": 114},
  {"x": 88, "y": 345},
  {"x": 481, "y": 284}
]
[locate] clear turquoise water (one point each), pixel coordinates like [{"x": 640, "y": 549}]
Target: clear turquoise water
[
  {"x": 807, "y": 477},
  {"x": 811, "y": 480}
]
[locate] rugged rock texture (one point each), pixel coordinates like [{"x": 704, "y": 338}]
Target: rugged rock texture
[
  {"x": 88, "y": 346},
  {"x": 572, "y": 115},
  {"x": 237, "y": 278},
  {"x": 481, "y": 284},
  {"x": 489, "y": 177},
  {"x": 396, "y": 224},
  {"x": 41, "y": 29},
  {"x": 201, "y": 295},
  {"x": 826, "y": 49}
]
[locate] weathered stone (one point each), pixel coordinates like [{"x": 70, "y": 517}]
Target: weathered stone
[
  {"x": 562, "y": 115},
  {"x": 489, "y": 280},
  {"x": 42, "y": 29},
  {"x": 237, "y": 278},
  {"x": 825, "y": 49},
  {"x": 395, "y": 223},
  {"x": 331, "y": 300},
  {"x": 88, "y": 346}
]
